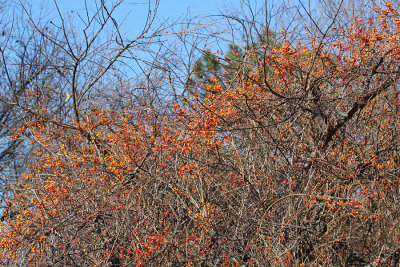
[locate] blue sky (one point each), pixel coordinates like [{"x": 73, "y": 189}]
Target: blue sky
[
  {"x": 168, "y": 9},
  {"x": 132, "y": 13}
]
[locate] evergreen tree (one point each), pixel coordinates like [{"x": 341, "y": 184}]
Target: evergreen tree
[{"x": 230, "y": 67}]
